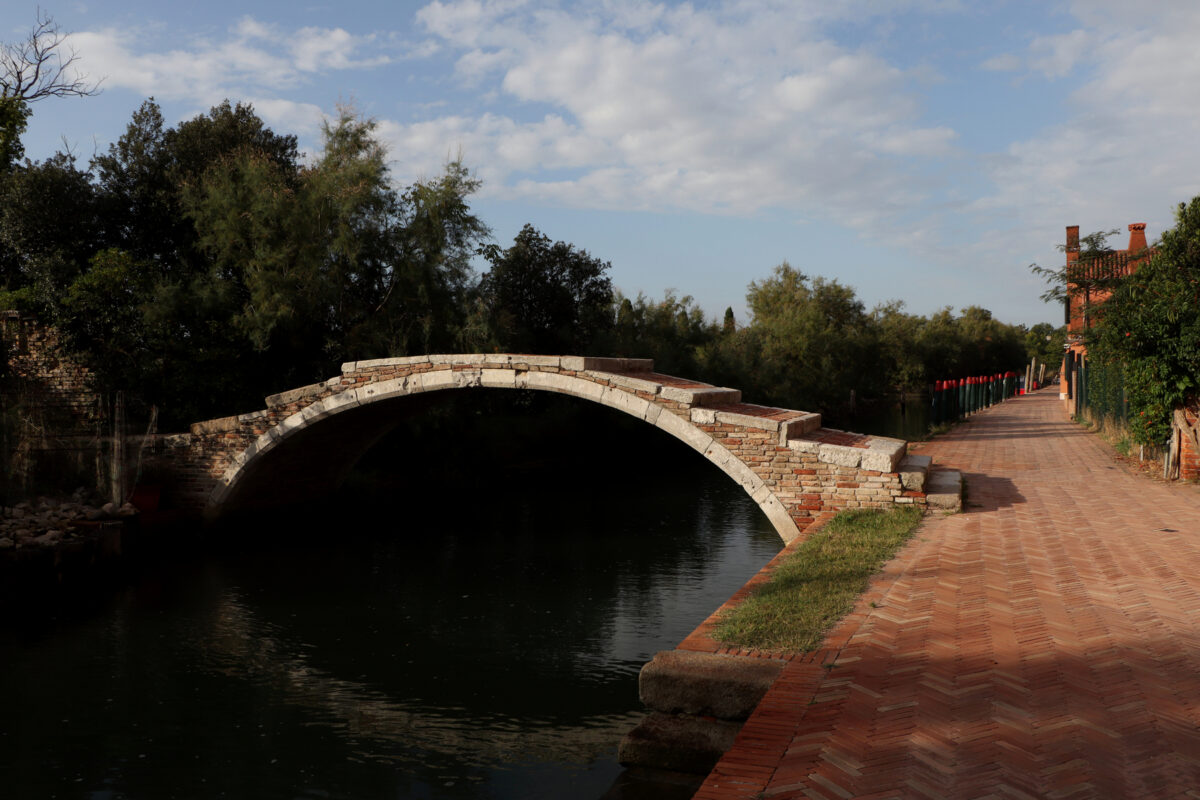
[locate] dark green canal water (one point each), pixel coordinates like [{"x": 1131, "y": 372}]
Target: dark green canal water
[{"x": 466, "y": 620}]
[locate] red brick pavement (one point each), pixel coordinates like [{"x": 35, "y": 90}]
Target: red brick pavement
[{"x": 1044, "y": 643}]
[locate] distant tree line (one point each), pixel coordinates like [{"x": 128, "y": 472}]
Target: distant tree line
[{"x": 204, "y": 265}]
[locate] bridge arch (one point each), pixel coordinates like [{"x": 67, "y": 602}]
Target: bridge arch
[
  {"x": 795, "y": 470},
  {"x": 598, "y": 387}
]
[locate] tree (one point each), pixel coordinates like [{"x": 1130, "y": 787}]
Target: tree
[
  {"x": 1045, "y": 343},
  {"x": 104, "y": 322},
  {"x": 146, "y": 172},
  {"x": 899, "y": 338},
  {"x": 1150, "y": 326},
  {"x": 546, "y": 297},
  {"x": 988, "y": 345},
  {"x": 14, "y": 113},
  {"x": 49, "y": 229},
  {"x": 673, "y": 331},
  {"x": 42, "y": 65},
  {"x": 1079, "y": 279},
  {"x": 810, "y": 343},
  {"x": 307, "y": 268}
]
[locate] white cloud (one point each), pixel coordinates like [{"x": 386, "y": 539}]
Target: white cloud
[
  {"x": 728, "y": 109},
  {"x": 1005, "y": 62},
  {"x": 256, "y": 57},
  {"x": 1057, "y": 55},
  {"x": 1126, "y": 152}
]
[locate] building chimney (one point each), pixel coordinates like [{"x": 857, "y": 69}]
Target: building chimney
[
  {"x": 1137, "y": 237},
  {"x": 1072, "y": 243}
]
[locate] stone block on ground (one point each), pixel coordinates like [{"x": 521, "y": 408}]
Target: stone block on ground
[
  {"x": 943, "y": 489},
  {"x": 913, "y": 470},
  {"x": 723, "y": 686}
]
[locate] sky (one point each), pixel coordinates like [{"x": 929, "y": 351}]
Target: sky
[{"x": 926, "y": 151}]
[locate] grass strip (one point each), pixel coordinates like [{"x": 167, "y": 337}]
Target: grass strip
[{"x": 818, "y": 583}]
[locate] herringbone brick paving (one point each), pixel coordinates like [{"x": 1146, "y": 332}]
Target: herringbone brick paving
[{"x": 1044, "y": 643}]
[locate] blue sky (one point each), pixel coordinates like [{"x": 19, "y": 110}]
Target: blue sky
[{"x": 918, "y": 151}]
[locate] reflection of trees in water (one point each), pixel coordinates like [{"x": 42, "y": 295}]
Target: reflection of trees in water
[{"x": 239, "y": 646}]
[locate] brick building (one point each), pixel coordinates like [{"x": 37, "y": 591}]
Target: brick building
[{"x": 1083, "y": 293}]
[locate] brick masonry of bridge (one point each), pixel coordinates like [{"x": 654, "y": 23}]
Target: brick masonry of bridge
[
  {"x": 1045, "y": 643},
  {"x": 306, "y": 439}
]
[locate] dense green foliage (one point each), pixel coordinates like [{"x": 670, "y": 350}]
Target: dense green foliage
[
  {"x": 202, "y": 266},
  {"x": 544, "y": 297},
  {"x": 14, "y": 114},
  {"x": 1150, "y": 326}
]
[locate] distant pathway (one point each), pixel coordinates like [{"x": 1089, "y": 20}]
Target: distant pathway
[{"x": 1044, "y": 643}]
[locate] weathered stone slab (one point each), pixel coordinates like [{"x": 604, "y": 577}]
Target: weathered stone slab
[
  {"x": 709, "y": 416},
  {"x": 292, "y": 395},
  {"x": 383, "y": 390},
  {"x": 679, "y": 743},
  {"x": 798, "y": 426},
  {"x": 253, "y": 416},
  {"x": 563, "y": 384},
  {"x": 883, "y": 454},
  {"x": 518, "y": 361},
  {"x": 339, "y": 402},
  {"x": 805, "y": 446},
  {"x": 636, "y": 384},
  {"x": 624, "y": 401},
  {"x": 701, "y": 395},
  {"x": 733, "y": 466},
  {"x": 432, "y": 381},
  {"x": 400, "y": 361},
  {"x": 913, "y": 469},
  {"x": 693, "y": 436},
  {"x": 778, "y": 515},
  {"x": 498, "y": 378},
  {"x": 593, "y": 364},
  {"x": 468, "y": 359},
  {"x": 726, "y": 687},
  {"x": 222, "y": 425},
  {"x": 943, "y": 489},
  {"x": 840, "y": 455}
]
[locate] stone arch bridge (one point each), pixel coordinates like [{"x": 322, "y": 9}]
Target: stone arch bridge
[{"x": 306, "y": 440}]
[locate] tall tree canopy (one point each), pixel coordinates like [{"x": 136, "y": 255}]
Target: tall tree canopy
[
  {"x": 1151, "y": 327},
  {"x": 546, "y": 297}
]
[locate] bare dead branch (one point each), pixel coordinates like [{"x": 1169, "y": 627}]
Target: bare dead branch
[{"x": 42, "y": 65}]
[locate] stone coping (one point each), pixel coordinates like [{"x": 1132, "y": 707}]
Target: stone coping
[
  {"x": 842, "y": 449},
  {"x": 709, "y": 405},
  {"x": 574, "y": 363}
]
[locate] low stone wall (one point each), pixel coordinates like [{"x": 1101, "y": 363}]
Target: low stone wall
[{"x": 797, "y": 471}]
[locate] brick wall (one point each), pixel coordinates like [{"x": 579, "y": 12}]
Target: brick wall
[
  {"x": 51, "y": 412},
  {"x": 1189, "y": 455}
]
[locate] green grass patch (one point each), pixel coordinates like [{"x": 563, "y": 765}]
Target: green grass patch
[{"x": 818, "y": 583}]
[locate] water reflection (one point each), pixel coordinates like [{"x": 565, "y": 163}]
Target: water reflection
[{"x": 480, "y": 643}]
